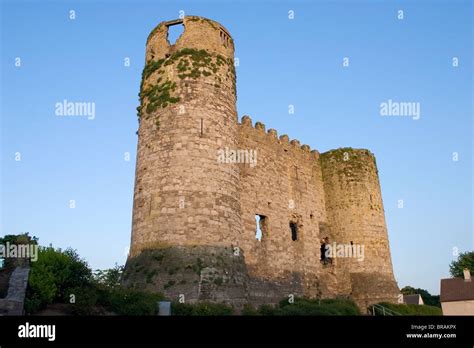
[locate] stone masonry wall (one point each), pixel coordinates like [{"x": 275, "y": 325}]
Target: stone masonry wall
[
  {"x": 183, "y": 196},
  {"x": 285, "y": 185},
  {"x": 13, "y": 303},
  {"x": 355, "y": 208},
  {"x": 191, "y": 208}
]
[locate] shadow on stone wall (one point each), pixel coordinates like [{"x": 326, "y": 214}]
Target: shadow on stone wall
[
  {"x": 204, "y": 273},
  {"x": 372, "y": 288}
]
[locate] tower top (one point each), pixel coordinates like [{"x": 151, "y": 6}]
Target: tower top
[{"x": 199, "y": 33}]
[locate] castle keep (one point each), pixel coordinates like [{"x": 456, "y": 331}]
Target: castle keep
[{"x": 195, "y": 215}]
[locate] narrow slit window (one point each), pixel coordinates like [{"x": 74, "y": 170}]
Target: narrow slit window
[
  {"x": 224, "y": 38},
  {"x": 323, "y": 251},
  {"x": 261, "y": 226},
  {"x": 294, "y": 231}
]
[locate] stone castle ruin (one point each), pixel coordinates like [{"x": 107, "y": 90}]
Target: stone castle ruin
[{"x": 230, "y": 212}]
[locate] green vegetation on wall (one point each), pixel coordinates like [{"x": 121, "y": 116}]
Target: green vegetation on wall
[
  {"x": 354, "y": 160},
  {"x": 190, "y": 63},
  {"x": 158, "y": 94}
]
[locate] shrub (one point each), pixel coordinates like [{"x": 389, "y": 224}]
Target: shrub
[
  {"x": 52, "y": 277},
  {"x": 85, "y": 300},
  {"x": 109, "y": 278},
  {"x": 201, "y": 308},
  {"x": 303, "y": 306},
  {"x": 341, "y": 306},
  {"x": 129, "y": 302},
  {"x": 249, "y": 310},
  {"x": 57, "y": 274},
  {"x": 41, "y": 289},
  {"x": 268, "y": 310}
]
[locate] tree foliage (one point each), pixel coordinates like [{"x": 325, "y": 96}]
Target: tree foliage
[
  {"x": 428, "y": 299},
  {"x": 465, "y": 260},
  {"x": 109, "y": 278}
]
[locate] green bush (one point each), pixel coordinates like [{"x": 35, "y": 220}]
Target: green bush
[
  {"x": 341, "y": 306},
  {"x": 57, "y": 275},
  {"x": 201, "y": 308},
  {"x": 405, "y": 309},
  {"x": 85, "y": 300},
  {"x": 41, "y": 289},
  {"x": 129, "y": 302},
  {"x": 109, "y": 278},
  {"x": 249, "y": 310},
  {"x": 52, "y": 277},
  {"x": 268, "y": 310},
  {"x": 303, "y": 306}
]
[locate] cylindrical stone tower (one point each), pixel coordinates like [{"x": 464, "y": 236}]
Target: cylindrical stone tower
[
  {"x": 186, "y": 210},
  {"x": 187, "y": 118},
  {"x": 356, "y": 217}
]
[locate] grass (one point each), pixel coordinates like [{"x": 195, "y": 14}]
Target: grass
[
  {"x": 306, "y": 307},
  {"x": 405, "y": 309}
]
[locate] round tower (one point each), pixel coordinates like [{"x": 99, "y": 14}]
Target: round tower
[
  {"x": 185, "y": 193},
  {"x": 357, "y": 222}
]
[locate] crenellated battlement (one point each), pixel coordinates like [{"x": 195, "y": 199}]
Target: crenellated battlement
[{"x": 272, "y": 136}]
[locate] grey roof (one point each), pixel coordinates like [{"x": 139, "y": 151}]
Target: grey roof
[
  {"x": 456, "y": 289},
  {"x": 412, "y": 299}
]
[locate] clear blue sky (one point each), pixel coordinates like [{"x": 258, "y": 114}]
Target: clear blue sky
[{"x": 282, "y": 62}]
